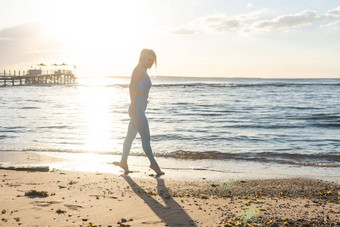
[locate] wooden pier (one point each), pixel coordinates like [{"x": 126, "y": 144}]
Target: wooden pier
[{"x": 57, "y": 77}]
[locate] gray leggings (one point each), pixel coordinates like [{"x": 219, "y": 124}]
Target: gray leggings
[{"x": 138, "y": 124}]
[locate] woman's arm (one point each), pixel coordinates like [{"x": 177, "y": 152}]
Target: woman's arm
[{"x": 137, "y": 74}]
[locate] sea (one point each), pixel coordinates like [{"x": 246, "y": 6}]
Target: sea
[{"x": 235, "y": 127}]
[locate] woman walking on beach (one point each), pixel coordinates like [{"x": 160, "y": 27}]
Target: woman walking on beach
[{"x": 140, "y": 85}]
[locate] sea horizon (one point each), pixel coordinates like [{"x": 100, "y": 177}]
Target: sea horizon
[{"x": 217, "y": 77}]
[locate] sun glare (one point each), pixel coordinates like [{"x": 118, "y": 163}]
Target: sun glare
[
  {"x": 99, "y": 119},
  {"x": 95, "y": 113},
  {"x": 95, "y": 34}
]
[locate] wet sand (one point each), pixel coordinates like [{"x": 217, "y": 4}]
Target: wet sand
[
  {"x": 68, "y": 198},
  {"x": 176, "y": 169}
]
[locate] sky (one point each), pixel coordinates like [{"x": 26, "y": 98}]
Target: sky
[{"x": 200, "y": 38}]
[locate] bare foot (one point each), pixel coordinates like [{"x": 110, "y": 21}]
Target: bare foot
[
  {"x": 156, "y": 168},
  {"x": 123, "y": 164}
]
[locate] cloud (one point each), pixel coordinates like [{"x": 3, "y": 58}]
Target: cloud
[
  {"x": 183, "y": 31},
  {"x": 254, "y": 15},
  {"x": 25, "y": 42},
  {"x": 331, "y": 24},
  {"x": 250, "y": 22},
  {"x": 303, "y": 18},
  {"x": 218, "y": 23},
  {"x": 223, "y": 23},
  {"x": 334, "y": 13}
]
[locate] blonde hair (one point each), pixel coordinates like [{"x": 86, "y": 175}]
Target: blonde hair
[{"x": 148, "y": 52}]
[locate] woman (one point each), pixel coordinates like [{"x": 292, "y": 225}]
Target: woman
[{"x": 139, "y": 92}]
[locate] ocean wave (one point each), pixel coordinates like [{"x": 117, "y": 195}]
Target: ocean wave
[
  {"x": 331, "y": 159},
  {"x": 29, "y": 107},
  {"x": 54, "y": 127},
  {"x": 320, "y": 125},
  {"x": 322, "y": 117},
  {"x": 35, "y": 100},
  {"x": 263, "y": 126},
  {"x": 11, "y": 129},
  {"x": 221, "y": 155},
  {"x": 318, "y": 160}
]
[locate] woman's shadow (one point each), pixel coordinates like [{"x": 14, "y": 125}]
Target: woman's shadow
[{"x": 172, "y": 214}]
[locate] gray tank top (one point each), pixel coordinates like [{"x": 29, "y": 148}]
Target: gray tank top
[{"x": 144, "y": 84}]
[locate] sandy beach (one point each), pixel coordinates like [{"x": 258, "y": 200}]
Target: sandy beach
[{"x": 69, "y": 198}]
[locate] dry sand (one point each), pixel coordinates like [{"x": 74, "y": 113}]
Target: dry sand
[{"x": 96, "y": 199}]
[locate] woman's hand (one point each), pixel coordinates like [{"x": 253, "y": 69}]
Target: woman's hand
[{"x": 132, "y": 109}]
